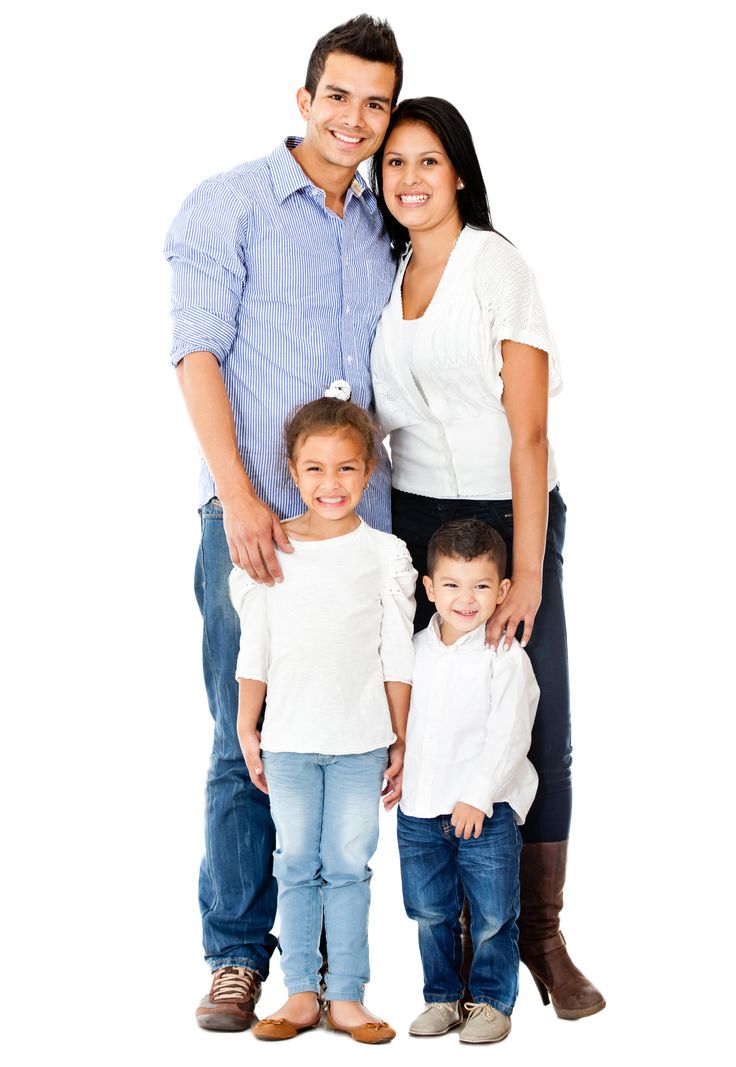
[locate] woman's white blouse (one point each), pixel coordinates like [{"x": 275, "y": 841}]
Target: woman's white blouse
[
  {"x": 449, "y": 434},
  {"x": 327, "y": 638}
]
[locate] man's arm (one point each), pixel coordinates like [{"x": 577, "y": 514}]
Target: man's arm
[
  {"x": 251, "y": 527},
  {"x": 205, "y": 247}
]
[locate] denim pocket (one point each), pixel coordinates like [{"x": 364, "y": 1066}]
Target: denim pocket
[
  {"x": 379, "y": 755},
  {"x": 212, "y": 509}
]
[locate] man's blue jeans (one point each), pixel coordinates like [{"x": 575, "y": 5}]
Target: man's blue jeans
[
  {"x": 237, "y": 891},
  {"x": 326, "y": 814},
  {"x": 438, "y": 870}
]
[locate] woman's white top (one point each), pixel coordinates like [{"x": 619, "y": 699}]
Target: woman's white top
[
  {"x": 409, "y": 329},
  {"x": 449, "y": 434},
  {"x": 326, "y": 639}
]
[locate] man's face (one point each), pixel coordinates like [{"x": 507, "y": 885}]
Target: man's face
[{"x": 348, "y": 115}]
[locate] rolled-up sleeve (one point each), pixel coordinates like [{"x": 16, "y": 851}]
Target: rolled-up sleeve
[
  {"x": 514, "y": 699},
  {"x": 249, "y": 601},
  {"x": 397, "y": 623},
  {"x": 206, "y": 249}
]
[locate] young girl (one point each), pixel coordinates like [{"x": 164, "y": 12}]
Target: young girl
[{"x": 333, "y": 645}]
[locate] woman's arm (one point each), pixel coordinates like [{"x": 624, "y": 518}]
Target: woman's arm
[{"x": 525, "y": 390}]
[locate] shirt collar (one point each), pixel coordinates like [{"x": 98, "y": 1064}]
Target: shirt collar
[
  {"x": 288, "y": 177},
  {"x": 470, "y": 642}
]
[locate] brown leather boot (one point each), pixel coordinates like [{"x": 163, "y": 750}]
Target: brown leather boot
[{"x": 541, "y": 943}]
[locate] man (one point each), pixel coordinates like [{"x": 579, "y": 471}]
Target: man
[{"x": 280, "y": 272}]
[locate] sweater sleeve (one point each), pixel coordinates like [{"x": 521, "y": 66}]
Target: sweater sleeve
[
  {"x": 249, "y": 600},
  {"x": 397, "y": 622},
  {"x": 514, "y": 699},
  {"x": 507, "y": 291}
]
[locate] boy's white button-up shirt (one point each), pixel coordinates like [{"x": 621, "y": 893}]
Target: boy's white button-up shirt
[{"x": 470, "y": 726}]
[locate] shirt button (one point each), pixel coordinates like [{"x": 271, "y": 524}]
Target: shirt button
[
  {"x": 349, "y": 359},
  {"x": 347, "y": 309},
  {"x": 346, "y": 260}
]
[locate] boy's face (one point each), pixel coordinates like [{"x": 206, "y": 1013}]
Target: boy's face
[
  {"x": 348, "y": 115},
  {"x": 465, "y": 592}
]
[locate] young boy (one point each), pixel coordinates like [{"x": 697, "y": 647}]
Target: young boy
[{"x": 467, "y": 784}]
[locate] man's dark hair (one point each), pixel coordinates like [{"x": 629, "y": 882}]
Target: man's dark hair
[
  {"x": 466, "y": 539},
  {"x": 364, "y": 36}
]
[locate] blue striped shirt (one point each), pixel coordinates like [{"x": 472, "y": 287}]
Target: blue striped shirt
[{"x": 287, "y": 296}]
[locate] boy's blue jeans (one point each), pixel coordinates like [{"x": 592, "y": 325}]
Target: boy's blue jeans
[
  {"x": 326, "y": 813},
  {"x": 438, "y": 870}
]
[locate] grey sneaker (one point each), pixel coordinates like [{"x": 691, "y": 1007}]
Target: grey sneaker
[
  {"x": 436, "y": 1019},
  {"x": 484, "y": 1025},
  {"x": 230, "y": 1004}
]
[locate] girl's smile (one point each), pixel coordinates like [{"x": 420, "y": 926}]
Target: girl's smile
[{"x": 330, "y": 472}]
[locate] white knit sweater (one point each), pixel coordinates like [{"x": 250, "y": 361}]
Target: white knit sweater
[{"x": 457, "y": 442}]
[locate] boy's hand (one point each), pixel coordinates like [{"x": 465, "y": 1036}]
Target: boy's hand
[
  {"x": 467, "y": 820},
  {"x": 250, "y": 743},
  {"x": 394, "y": 775}
]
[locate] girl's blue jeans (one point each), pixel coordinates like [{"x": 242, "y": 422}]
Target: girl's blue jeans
[
  {"x": 438, "y": 870},
  {"x": 325, "y": 809}
]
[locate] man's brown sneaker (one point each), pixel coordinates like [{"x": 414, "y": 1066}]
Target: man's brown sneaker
[{"x": 231, "y": 1002}]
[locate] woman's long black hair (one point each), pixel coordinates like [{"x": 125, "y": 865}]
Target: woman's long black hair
[{"x": 446, "y": 122}]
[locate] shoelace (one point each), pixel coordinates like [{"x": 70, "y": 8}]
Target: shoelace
[
  {"x": 232, "y": 983},
  {"x": 475, "y": 1009}
]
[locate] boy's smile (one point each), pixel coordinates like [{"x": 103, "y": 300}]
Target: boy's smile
[{"x": 465, "y": 593}]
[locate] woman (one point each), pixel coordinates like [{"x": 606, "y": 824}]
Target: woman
[{"x": 463, "y": 363}]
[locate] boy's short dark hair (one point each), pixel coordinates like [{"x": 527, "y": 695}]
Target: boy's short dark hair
[
  {"x": 466, "y": 539},
  {"x": 364, "y": 36}
]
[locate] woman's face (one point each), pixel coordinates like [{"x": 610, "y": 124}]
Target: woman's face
[{"x": 420, "y": 184}]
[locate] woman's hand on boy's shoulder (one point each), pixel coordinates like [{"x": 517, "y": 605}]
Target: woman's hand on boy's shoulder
[{"x": 394, "y": 775}]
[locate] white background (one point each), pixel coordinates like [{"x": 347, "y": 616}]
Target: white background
[{"x": 603, "y": 131}]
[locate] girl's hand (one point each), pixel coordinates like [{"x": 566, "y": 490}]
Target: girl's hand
[
  {"x": 467, "y": 820},
  {"x": 521, "y": 604},
  {"x": 394, "y": 775},
  {"x": 251, "y": 746}
]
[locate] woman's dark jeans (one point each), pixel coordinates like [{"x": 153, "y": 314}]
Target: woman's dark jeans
[{"x": 415, "y": 519}]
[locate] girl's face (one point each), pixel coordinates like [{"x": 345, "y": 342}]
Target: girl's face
[
  {"x": 330, "y": 472},
  {"x": 420, "y": 184}
]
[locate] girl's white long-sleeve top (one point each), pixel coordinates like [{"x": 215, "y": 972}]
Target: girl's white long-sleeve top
[
  {"x": 470, "y": 726},
  {"x": 327, "y": 638}
]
